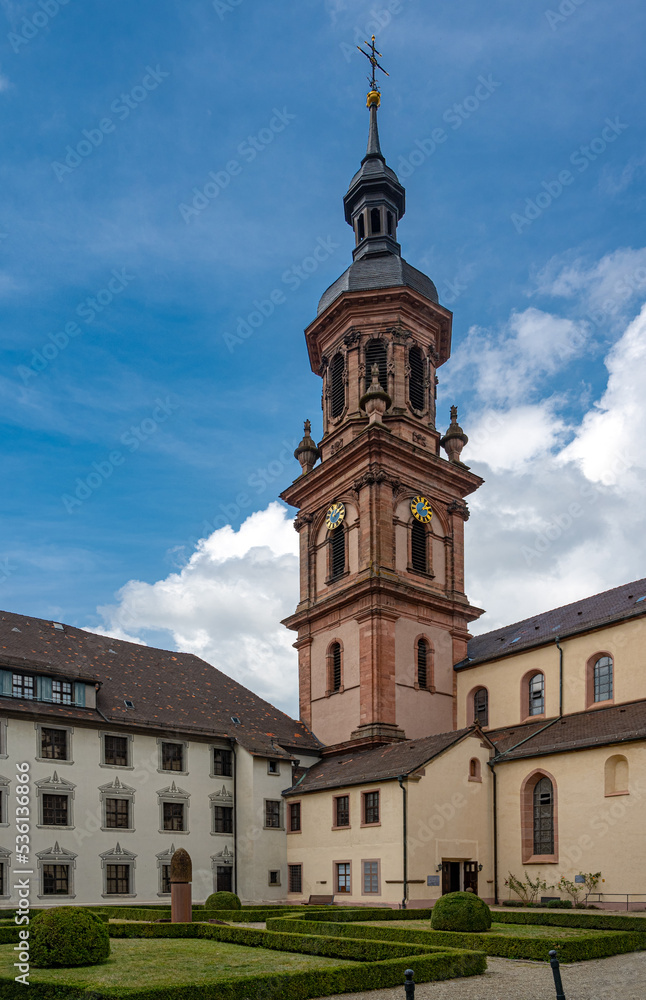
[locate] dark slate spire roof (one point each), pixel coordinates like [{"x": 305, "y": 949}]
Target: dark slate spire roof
[{"x": 377, "y": 258}]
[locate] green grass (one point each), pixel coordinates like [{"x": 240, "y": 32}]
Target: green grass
[
  {"x": 518, "y": 930},
  {"x": 146, "y": 963}
]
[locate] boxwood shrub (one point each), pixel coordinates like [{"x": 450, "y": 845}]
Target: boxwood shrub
[
  {"x": 223, "y": 901},
  {"x": 460, "y": 911},
  {"x": 598, "y": 920},
  {"x": 68, "y": 936}
]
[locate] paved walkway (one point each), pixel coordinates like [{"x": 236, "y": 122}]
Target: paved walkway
[{"x": 622, "y": 977}]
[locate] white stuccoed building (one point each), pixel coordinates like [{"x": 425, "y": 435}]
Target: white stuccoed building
[{"x": 133, "y": 752}]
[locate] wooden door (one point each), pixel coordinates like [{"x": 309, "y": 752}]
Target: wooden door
[{"x": 471, "y": 875}]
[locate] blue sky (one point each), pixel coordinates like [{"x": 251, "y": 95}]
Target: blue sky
[{"x": 518, "y": 131}]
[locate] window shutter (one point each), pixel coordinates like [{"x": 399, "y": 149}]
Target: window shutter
[
  {"x": 376, "y": 355},
  {"x": 338, "y": 386},
  {"x": 7, "y": 682},
  {"x": 416, "y": 378},
  {"x": 336, "y": 667},
  {"x": 39, "y": 688},
  {"x": 79, "y": 694},
  {"x": 422, "y": 660},
  {"x": 418, "y": 547},
  {"x": 338, "y": 552},
  {"x": 45, "y": 690}
]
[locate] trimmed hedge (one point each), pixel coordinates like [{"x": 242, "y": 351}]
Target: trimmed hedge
[
  {"x": 66, "y": 937},
  {"x": 578, "y": 949},
  {"x": 598, "y": 920},
  {"x": 222, "y": 901},
  {"x": 377, "y": 967},
  {"x": 461, "y": 911}
]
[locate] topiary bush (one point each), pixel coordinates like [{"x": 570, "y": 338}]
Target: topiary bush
[
  {"x": 461, "y": 911},
  {"x": 223, "y": 901},
  {"x": 67, "y": 936}
]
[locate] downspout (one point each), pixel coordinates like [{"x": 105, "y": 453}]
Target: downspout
[
  {"x": 558, "y": 646},
  {"x": 400, "y": 779},
  {"x": 235, "y": 815},
  {"x": 492, "y": 765}
]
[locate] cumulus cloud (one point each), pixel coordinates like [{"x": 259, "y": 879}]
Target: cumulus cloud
[
  {"x": 226, "y": 605},
  {"x": 604, "y": 289}
]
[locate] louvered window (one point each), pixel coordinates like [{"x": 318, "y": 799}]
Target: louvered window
[
  {"x": 481, "y": 707},
  {"x": 337, "y": 385},
  {"x": 338, "y": 552},
  {"x": 418, "y": 547},
  {"x": 336, "y": 666},
  {"x": 544, "y": 817},
  {"x": 422, "y": 663},
  {"x": 376, "y": 355},
  {"x": 416, "y": 379}
]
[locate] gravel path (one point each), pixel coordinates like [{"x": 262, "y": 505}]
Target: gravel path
[{"x": 622, "y": 977}]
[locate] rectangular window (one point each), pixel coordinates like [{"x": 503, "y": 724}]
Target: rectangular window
[
  {"x": 274, "y": 878},
  {"x": 53, "y": 743},
  {"x": 370, "y": 876},
  {"x": 342, "y": 876},
  {"x": 117, "y": 813},
  {"x": 117, "y": 880},
  {"x": 115, "y": 750},
  {"x": 56, "y": 880},
  {"x": 273, "y": 767},
  {"x": 295, "y": 817},
  {"x": 222, "y": 819},
  {"x": 342, "y": 810},
  {"x": 173, "y": 815},
  {"x": 371, "y": 807},
  {"x": 223, "y": 762},
  {"x": 224, "y": 878},
  {"x": 23, "y": 687},
  {"x": 295, "y": 878},
  {"x": 172, "y": 757},
  {"x": 272, "y": 814},
  {"x": 55, "y": 810},
  {"x": 2, "y": 878},
  {"x": 165, "y": 878},
  {"x": 62, "y": 692}
]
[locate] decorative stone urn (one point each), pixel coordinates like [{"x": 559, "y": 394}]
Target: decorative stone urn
[
  {"x": 307, "y": 453},
  {"x": 455, "y": 439},
  {"x": 375, "y": 401}
]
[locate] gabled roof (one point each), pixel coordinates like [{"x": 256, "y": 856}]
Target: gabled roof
[
  {"x": 580, "y": 731},
  {"x": 174, "y": 692},
  {"x": 381, "y": 764},
  {"x": 618, "y": 604}
]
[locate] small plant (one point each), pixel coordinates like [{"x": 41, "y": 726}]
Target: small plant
[
  {"x": 560, "y": 904},
  {"x": 461, "y": 911},
  {"x": 574, "y": 889},
  {"x": 223, "y": 901},
  {"x": 527, "y": 889}
]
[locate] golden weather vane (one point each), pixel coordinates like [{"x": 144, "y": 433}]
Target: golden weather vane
[{"x": 372, "y": 58}]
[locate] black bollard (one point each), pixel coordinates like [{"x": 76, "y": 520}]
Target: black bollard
[
  {"x": 409, "y": 985},
  {"x": 554, "y": 962}
]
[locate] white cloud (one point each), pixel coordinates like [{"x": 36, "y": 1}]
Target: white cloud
[
  {"x": 509, "y": 441},
  {"x": 605, "y": 288},
  {"x": 226, "y": 605}
]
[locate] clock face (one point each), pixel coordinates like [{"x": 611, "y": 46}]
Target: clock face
[
  {"x": 335, "y": 515},
  {"x": 421, "y": 509}
]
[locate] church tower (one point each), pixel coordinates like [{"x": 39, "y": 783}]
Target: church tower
[{"x": 382, "y": 615}]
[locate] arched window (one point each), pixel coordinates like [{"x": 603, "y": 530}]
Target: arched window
[
  {"x": 537, "y": 695},
  {"x": 616, "y": 775},
  {"x": 337, "y": 553},
  {"x": 389, "y": 218},
  {"x": 334, "y": 667},
  {"x": 375, "y": 220},
  {"x": 481, "y": 707},
  {"x": 475, "y": 773},
  {"x": 416, "y": 378},
  {"x": 337, "y": 385},
  {"x": 419, "y": 547},
  {"x": 361, "y": 229},
  {"x": 543, "y": 817},
  {"x": 422, "y": 663},
  {"x": 603, "y": 679},
  {"x": 376, "y": 355}
]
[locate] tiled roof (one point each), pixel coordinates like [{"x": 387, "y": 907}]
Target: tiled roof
[
  {"x": 175, "y": 692},
  {"x": 597, "y": 727},
  {"x": 386, "y": 271},
  {"x": 381, "y": 764},
  {"x": 627, "y": 601}
]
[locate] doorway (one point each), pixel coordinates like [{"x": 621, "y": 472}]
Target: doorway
[
  {"x": 223, "y": 878},
  {"x": 459, "y": 876}
]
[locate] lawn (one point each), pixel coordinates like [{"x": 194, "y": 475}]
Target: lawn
[
  {"x": 149, "y": 963},
  {"x": 517, "y": 930}
]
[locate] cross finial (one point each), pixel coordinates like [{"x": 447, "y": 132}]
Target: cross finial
[{"x": 372, "y": 58}]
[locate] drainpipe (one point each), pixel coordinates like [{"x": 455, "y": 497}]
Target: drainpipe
[
  {"x": 558, "y": 646},
  {"x": 235, "y": 815},
  {"x": 400, "y": 779},
  {"x": 492, "y": 765}
]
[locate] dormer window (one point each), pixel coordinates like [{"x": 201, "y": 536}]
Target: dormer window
[
  {"x": 62, "y": 692},
  {"x": 23, "y": 687}
]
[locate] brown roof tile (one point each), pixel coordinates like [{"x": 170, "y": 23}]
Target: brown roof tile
[
  {"x": 597, "y": 727},
  {"x": 627, "y": 601},
  {"x": 381, "y": 764},
  {"x": 171, "y": 691}
]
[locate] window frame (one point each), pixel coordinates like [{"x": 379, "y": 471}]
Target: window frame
[
  {"x": 273, "y": 826},
  {"x": 68, "y": 730},
  {"x": 183, "y": 744},
  {"x": 336, "y": 865},
  {"x": 331, "y": 668},
  {"x": 474, "y": 711},
  {"x": 277, "y": 882},
  {"x": 527, "y": 819},
  {"x": 332, "y": 534},
  {"x": 54, "y": 785},
  {"x": 173, "y": 795},
  {"x": 119, "y": 856},
  {"x": 110, "y": 734},
  {"x": 377, "y": 875},
  {"x": 290, "y": 826},
  {"x": 335, "y": 813},
  {"x": 224, "y": 773},
  {"x": 292, "y": 869},
  {"x": 365, "y": 807},
  {"x": 62, "y": 858}
]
